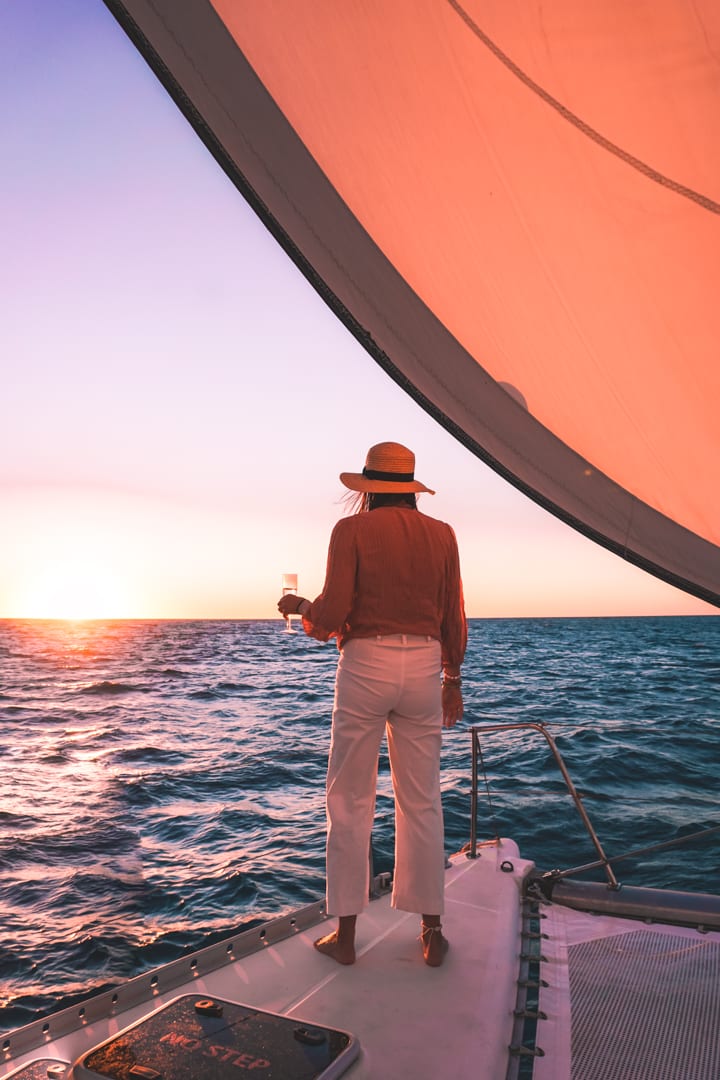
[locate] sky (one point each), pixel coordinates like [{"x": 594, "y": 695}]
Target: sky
[{"x": 177, "y": 402}]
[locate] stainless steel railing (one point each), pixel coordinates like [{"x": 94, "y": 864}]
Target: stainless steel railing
[{"x": 494, "y": 729}]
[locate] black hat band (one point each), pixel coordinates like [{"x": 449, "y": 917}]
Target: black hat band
[{"x": 398, "y": 477}]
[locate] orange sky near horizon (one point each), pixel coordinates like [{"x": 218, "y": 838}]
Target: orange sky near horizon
[{"x": 91, "y": 555}]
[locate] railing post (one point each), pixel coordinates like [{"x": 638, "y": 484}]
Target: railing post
[
  {"x": 371, "y": 878},
  {"x": 472, "y": 854},
  {"x": 494, "y": 729},
  {"x": 612, "y": 880}
]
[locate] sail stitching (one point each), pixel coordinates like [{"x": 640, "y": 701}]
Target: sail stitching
[{"x": 636, "y": 163}]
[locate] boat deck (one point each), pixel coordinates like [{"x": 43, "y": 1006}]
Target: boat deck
[
  {"x": 410, "y": 1020},
  {"x": 619, "y": 997}
]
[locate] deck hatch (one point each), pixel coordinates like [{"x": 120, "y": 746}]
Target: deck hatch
[
  {"x": 216, "y": 1039},
  {"x": 645, "y": 1005}
]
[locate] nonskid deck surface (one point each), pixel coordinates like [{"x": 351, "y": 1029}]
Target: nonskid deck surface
[
  {"x": 627, "y": 999},
  {"x": 410, "y": 1020}
]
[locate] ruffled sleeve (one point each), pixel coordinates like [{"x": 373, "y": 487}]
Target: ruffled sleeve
[
  {"x": 328, "y": 614},
  {"x": 454, "y": 624}
]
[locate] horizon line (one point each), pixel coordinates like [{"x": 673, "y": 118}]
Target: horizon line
[{"x": 278, "y": 619}]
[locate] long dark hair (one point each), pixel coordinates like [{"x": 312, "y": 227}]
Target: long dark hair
[{"x": 360, "y": 501}]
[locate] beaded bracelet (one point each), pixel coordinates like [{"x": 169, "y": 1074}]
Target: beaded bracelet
[{"x": 452, "y": 680}]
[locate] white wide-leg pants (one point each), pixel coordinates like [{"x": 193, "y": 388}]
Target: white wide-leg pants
[{"x": 388, "y": 682}]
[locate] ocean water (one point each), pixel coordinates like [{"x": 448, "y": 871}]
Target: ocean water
[{"x": 162, "y": 782}]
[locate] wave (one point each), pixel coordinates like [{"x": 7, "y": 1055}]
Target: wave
[
  {"x": 107, "y": 687},
  {"x": 147, "y": 754}
]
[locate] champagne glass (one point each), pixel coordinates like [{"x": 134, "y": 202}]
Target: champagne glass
[{"x": 289, "y": 585}]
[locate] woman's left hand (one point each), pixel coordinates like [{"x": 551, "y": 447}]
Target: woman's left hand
[{"x": 452, "y": 705}]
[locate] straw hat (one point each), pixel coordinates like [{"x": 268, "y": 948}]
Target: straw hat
[{"x": 388, "y": 467}]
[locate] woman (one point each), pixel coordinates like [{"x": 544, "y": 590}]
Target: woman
[{"x": 393, "y": 599}]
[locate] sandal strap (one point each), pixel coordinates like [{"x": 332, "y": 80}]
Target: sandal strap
[{"x": 429, "y": 930}]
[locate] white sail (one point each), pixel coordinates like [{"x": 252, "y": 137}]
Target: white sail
[{"x": 515, "y": 208}]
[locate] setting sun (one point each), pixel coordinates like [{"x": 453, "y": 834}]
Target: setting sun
[
  {"x": 76, "y": 561},
  {"x": 73, "y": 589}
]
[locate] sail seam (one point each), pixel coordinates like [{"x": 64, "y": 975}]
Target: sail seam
[{"x": 624, "y": 155}]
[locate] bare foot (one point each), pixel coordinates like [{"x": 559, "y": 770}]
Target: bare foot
[
  {"x": 434, "y": 945},
  {"x": 343, "y": 952}
]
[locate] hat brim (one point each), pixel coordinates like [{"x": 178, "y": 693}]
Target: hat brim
[{"x": 360, "y": 482}]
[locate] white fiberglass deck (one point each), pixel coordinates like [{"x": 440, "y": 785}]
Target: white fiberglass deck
[{"x": 410, "y": 1020}]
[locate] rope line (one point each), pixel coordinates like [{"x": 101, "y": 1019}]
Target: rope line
[
  {"x": 678, "y": 841},
  {"x": 491, "y": 808}
]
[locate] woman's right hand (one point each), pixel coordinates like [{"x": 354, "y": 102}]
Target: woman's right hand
[
  {"x": 452, "y": 704},
  {"x": 289, "y": 604}
]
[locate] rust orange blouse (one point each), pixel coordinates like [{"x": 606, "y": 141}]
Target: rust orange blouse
[{"x": 392, "y": 570}]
